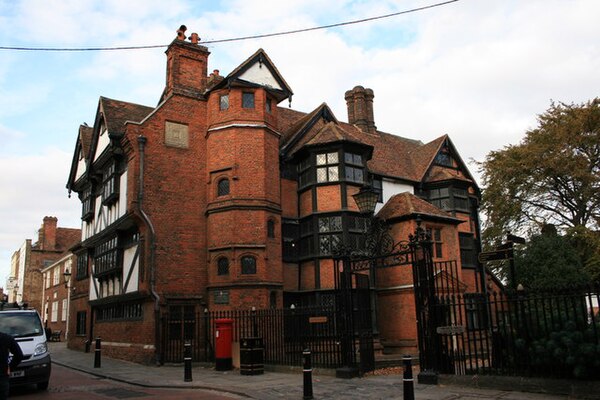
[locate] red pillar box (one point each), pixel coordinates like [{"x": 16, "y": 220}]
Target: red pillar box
[{"x": 223, "y": 343}]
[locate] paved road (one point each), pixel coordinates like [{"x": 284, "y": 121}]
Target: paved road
[{"x": 68, "y": 384}]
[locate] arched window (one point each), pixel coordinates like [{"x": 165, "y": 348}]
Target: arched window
[
  {"x": 222, "y": 266},
  {"x": 271, "y": 228},
  {"x": 248, "y": 265},
  {"x": 223, "y": 187}
]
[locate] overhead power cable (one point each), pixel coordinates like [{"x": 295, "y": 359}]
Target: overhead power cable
[{"x": 358, "y": 21}]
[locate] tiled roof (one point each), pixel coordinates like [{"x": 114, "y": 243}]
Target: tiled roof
[
  {"x": 393, "y": 156},
  {"x": 437, "y": 174},
  {"x": 85, "y": 136},
  {"x": 117, "y": 112},
  {"x": 406, "y": 204},
  {"x": 332, "y": 132}
]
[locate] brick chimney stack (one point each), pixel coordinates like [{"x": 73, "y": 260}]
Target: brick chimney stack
[
  {"x": 360, "y": 108},
  {"x": 47, "y": 234},
  {"x": 186, "y": 65}
]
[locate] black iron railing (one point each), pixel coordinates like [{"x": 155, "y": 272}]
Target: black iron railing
[
  {"x": 551, "y": 333},
  {"x": 285, "y": 333}
]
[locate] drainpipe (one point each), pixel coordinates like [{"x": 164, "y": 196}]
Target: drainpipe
[{"x": 151, "y": 242}]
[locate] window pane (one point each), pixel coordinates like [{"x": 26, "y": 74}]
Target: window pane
[
  {"x": 247, "y": 100},
  {"x": 321, "y": 159},
  {"x": 223, "y": 187},
  {"x": 336, "y": 240},
  {"x": 348, "y": 158},
  {"x": 224, "y": 102},
  {"x": 268, "y": 105},
  {"x": 321, "y": 174},
  {"x": 324, "y": 243},
  {"x": 248, "y": 265},
  {"x": 438, "y": 250},
  {"x": 333, "y": 174},
  {"x": 332, "y": 158},
  {"x": 323, "y": 224},
  {"x": 223, "y": 266},
  {"x": 358, "y": 175},
  {"x": 336, "y": 224}
]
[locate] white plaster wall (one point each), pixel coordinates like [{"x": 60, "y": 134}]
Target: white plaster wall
[
  {"x": 103, "y": 142},
  {"x": 122, "y": 203},
  {"x": 128, "y": 265},
  {"x": 259, "y": 75},
  {"x": 80, "y": 169},
  {"x": 390, "y": 188}
]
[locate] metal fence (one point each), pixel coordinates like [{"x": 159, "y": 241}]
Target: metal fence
[
  {"x": 285, "y": 333},
  {"x": 550, "y": 333}
]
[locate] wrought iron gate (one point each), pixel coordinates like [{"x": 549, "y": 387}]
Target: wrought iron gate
[{"x": 355, "y": 288}]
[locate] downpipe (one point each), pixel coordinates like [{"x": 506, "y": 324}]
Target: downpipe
[{"x": 152, "y": 243}]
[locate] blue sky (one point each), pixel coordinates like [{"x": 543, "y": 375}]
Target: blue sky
[{"x": 477, "y": 70}]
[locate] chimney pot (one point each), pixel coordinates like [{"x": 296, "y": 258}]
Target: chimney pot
[
  {"x": 181, "y": 32},
  {"x": 194, "y": 38}
]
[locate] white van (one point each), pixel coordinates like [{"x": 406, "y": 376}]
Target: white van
[{"x": 25, "y": 325}]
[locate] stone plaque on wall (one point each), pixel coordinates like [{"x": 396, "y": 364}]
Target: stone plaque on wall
[
  {"x": 176, "y": 135},
  {"x": 221, "y": 297}
]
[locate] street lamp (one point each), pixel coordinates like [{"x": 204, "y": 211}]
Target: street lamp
[
  {"x": 366, "y": 199},
  {"x": 67, "y": 277}
]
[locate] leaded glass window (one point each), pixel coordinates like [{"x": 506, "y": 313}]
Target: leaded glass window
[
  {"x": 248, "y": 100},
  {"x": 327, "y": 167},
  {"x": 223, "y": 187},
  {"x": 223, "y": 266},
  {"x": 224, "y": 102},
  {"x": 248, "y": 265}
]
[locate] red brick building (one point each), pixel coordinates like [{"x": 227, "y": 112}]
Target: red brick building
[
  {"x": 25, "y": 284},
  {"x": 219, "y": 198},
  {"x": 55, "y": 295}
]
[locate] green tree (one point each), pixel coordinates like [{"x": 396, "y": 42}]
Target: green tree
[
  {"x": 549, "y": 261},
  {"x": 551, "y": 177}
]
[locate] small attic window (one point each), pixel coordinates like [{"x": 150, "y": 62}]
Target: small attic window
[
  {"x": 248, "y": 100},
  {"x": 444, "y": 158}
]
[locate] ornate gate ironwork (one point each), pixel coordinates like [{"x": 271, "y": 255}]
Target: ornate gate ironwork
[{"x": 355, "y": 270}]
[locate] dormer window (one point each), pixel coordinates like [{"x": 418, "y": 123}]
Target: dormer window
[
  {"x": 110, "y": 184},
  {"x": 247, "y": 100}
]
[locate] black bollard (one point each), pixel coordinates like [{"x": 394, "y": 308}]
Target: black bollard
[
  {"x": 88, "y": 344},
  {"x": 307, "y": 372},
  {"x": 187, "y": 362},
  {"x": 409, "y": 382},
  {"x": 97, "y": 361}
]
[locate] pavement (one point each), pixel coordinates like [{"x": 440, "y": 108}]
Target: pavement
[{"x": 282, "y": 384}]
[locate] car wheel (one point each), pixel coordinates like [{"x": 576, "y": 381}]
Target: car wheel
[{"x": 42, "y": 385}]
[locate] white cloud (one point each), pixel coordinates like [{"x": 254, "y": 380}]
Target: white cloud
[{"x": 33, "y": 187}]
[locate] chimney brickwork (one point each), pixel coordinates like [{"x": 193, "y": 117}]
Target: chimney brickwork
[{"x": 360, "y": 108}]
